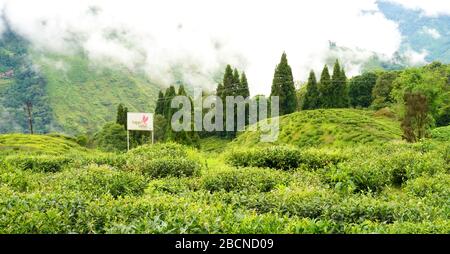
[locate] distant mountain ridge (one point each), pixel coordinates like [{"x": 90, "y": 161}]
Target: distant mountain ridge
[{"x": 420, "y": 32}]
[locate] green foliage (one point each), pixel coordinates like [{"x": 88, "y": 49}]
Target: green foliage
[
  {"x": 112, "y": 138},
  {"x": 121, "y": 118},
  {"x": 339, "y": 94},
  {"x": 312, "y": 96},
  {"x": 38, "y": 144},
  {"x": 331, "y": 128},
  {"x": 162, "y": 160},
  {"x": 381, "y": 92},
  {"x": 100, "y": 180},
  {"x": 326, "y": 89},
  {"x": 246, "y": 179},
  {"x": 278, "y": 157},
  {"x": 40, "y": 163},
  {"x": 360, "y": 89},
  {"x": 441, "y": 133},
  {"x": 416, "y": 121},
  {"x": 27, "y": 85},
  {"x": 389, "y": 188},
  {"x": 283, "y": 86}
]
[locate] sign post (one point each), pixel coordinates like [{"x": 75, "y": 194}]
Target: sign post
[{"x": 139, "y": 122}]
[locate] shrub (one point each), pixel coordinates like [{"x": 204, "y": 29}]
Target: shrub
[
  {"x": 426, "y": 186},
  {"x": 285, "y": 157},
  {"x": 166, "y": 166},
  {"x": 158, "y": 150},
  {"x": 245, "y": 179},
  {"x": 39, "y": 163},
  {"x": 162, "y": 160},
  {"x": 174, "y": 185},
  {"x": 278, "y": 157},
  {"x": 99, "y": 180},
  {"x": 110, "y": 159}
]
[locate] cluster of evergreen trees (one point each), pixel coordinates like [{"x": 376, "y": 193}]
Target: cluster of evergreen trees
[
  {"x": 163, "y": 116},
  {"x": 234, "y": 85},
  {"x": 329, "y": 92}
]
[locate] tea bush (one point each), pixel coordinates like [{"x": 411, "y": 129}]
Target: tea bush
[
  {"x": 168, "y": 166},
  {"x": 99, "y": 180},
  {"x": 158, "y": 150},
  {"x": 284, "y": 157},
  {"x": 426, "y": 186},
  {"x": 162, "y": 160},
  {"x": 278, "y": 157},
  {"x": 38, "y": 163},
  {"x": 244, "y": 179}
]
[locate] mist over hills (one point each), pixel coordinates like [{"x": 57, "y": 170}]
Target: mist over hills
[{"x": 74, "y": 93}]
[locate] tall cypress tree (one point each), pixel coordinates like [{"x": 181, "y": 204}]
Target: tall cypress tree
[
  {"x": 170, "y": 94},
  {"x": 325, "y": 88},
  {"x": 312, "y": 93},
  {"x": 236, "y": 83},
  {"x": 160, "y": 104},
  {"x": 244, "y": 90},
  {"x": 338, "y": 83},
  {"x": 283, "y": 86},
  {"x": 228, "y": 81}
]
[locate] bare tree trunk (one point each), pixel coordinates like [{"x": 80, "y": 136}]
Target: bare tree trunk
[{"x": 30, "y": 117}]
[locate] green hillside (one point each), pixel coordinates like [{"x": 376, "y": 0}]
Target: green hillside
[
  {"x": 69, "y": 93},
  {"x": 83, "y": 96},
  {"x": 331, "y": 127},
  {"x": 37, "y": 144}
]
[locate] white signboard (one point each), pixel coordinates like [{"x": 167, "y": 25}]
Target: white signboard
[{"x": 140, "y": 121}]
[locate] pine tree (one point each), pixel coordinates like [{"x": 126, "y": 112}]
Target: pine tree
[
  {"x": 325, "y": 88},
  {"x": 228, "y": 82},
  {"x": 338, "y": 83},
  {"x": 244, "y": 90},
  {"x": 160, "y": 104},
  {"x": 312, "y": 93},
  {"x": 170, "y": 94},
  {"x": 283, "y": 86},
  {"x": 236, "y": 83}
]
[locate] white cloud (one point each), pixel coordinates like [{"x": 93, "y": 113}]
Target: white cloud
[
  {"x": 200, "y": 36},
  {"x": 432, "y": 32},
  {"x": 428, "y": 7}
]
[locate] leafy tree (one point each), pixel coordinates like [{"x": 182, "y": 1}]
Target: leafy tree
[
  {"x": 431, "y": 82},
  {"x": 325, "y": 89},
  {"x": 360, "y": 89},
  {"x": 111, "y": 138},
  {"x": 312, "y": 96},
  {"x": 381, "y": 92},
  {"x": 416, "y": 119},
  {"x": 283, "y": 86}
]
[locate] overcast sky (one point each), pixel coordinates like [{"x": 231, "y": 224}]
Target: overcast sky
[{"x": 199, "y": 36}]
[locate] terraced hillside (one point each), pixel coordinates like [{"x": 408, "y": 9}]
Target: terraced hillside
[{"x": 330, "y": 127}]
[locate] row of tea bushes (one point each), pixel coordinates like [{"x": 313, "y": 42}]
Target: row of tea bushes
[
  {"x": 155, "y": 161},
  {"x": 284, "y": 158},
  {"x": 374, "y": 172}
]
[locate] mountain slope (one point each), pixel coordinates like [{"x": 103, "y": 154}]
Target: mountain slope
[
  {"x": 330, "y": 127},
  {"x": 84, "y": 96},
  {"x": 421, "y": 32},
  {"x": 69, "y": 93}
]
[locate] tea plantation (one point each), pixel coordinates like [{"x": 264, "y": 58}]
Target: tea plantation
[{"x": 49, "y": 184}]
